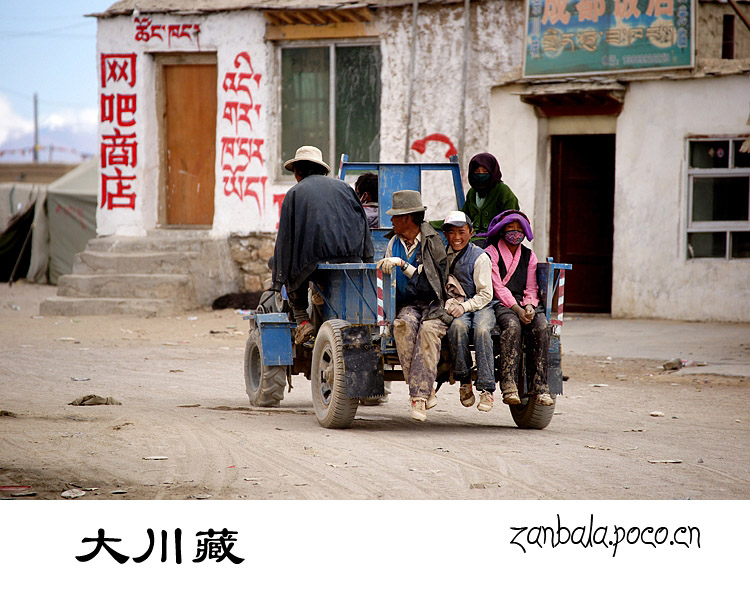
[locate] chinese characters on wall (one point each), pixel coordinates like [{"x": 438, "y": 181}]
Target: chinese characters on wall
[
  {"x": 117, "y": 114},
  {"x": 583, "y": 36}
]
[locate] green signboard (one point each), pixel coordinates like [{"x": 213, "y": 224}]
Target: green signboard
[{"x": 599, "y": 36}]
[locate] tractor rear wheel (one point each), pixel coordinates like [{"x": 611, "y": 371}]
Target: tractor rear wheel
[
  {"x": 332, "y": 408},
  {"x": 530, "y": 415}
]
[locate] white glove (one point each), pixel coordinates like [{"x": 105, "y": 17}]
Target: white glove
[{"x": 386, "y": 264}]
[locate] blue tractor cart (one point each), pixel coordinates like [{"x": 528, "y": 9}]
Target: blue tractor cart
[{"x": 354, "y": 353}]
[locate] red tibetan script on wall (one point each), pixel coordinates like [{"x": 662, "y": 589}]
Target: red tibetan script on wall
[
  {"x": 242, "y": 158},
  {"x": 146, "y": 30},
  {"x": 118, "y": 149}
]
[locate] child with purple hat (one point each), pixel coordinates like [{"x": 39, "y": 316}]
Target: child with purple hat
[{"x": 518, "y": 310}]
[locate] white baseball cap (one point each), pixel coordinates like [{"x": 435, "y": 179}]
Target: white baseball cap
[{"x": 458, "y": 218}]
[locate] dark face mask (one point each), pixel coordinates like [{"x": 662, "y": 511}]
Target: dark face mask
[{"x": 479, "y": 180}]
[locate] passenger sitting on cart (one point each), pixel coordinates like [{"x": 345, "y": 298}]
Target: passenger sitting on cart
[
  {"x": 518, "y": 310},
  {"x": 421, "y": 321},
  {"x": 366, "y": 188},
  {"x": 321, "y": 221},
  {"x": 488, "y": 195},
  {"x": 469, "y": 290}
]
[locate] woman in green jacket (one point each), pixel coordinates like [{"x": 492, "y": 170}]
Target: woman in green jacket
[{"x": 488, "y": 195}]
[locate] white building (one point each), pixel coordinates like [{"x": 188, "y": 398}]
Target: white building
[
  {"x": 637, "y": 178},
  {"x": 202, "y": 101}
]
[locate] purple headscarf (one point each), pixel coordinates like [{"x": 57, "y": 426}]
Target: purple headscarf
[{"x": 495, "y": 229}]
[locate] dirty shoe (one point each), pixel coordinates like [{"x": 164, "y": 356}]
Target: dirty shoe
[
  {"x": 511, "y": 397},
  {"x": 544, "y": 400},
  {"x": 431, "y": 402},
  {"x": 418, "y": 409},
  {"x": 485, "y": 401},
  {"x": 304, "y": 332},
  {"x": 466, "y": 394}
]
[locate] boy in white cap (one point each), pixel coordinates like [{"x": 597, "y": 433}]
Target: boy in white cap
[
  {"x": 321, "y": 221},
  {"x": 470, "y": 303},
  {"x": 417, "y": 249}
]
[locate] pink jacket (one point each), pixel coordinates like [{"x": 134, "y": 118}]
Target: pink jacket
[{"x": 502, "y": 293}]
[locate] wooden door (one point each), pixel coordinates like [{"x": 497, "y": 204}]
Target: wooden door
[
  {"x": 190, "y": 123},
  {"x": 582, "y": 217}
]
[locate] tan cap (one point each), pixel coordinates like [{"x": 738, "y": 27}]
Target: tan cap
[{"x": 406, "y": 202}]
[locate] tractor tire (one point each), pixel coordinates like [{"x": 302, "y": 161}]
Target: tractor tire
[
  {"x": 332, "y": 408},
  {"x": 529, "y": 415},
  {"x": 264, "y": 384}
]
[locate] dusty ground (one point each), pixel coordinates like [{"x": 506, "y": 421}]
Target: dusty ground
[{"x": 180, "y": 382}]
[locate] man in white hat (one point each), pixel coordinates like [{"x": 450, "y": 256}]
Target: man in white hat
[
  {"x": 321, "y": 221},
  {"x": 418, "y": 252},
  {"x": 471, "y": 305}
]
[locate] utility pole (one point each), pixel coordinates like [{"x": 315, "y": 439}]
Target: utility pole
[{"x": 36, "y": 128}]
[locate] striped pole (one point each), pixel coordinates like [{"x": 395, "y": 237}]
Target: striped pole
[
  {"x": 381, "y": 310},
  {"x": 560, "y": 299}
]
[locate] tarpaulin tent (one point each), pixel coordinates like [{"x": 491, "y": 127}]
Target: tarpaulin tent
[
  {"x": 71, "y": 210},
  {"x": 19, "y": 205},
  {"x": 44, "y": 227}
]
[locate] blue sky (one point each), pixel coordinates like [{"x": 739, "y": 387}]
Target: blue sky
[{"x": 48, "y": 47}]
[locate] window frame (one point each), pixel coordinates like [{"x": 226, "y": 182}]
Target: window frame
[
  {"x": 282, "y": 174},
  {"x": 726, "y": 227}
]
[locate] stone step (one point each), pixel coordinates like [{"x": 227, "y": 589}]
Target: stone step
[
  {"x": 90, "y": 262},
  {"x": 176, "y": 288},
  {"x": 148, "y": 244},
  {"x": 139, "y": 307}
]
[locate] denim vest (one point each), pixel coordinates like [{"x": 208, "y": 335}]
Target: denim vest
[{"x": 462, "y": 268}]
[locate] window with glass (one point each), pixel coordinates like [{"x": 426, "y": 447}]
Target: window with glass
[
  {"x": 330, "y": 98},
  {"x": 719, "y": 199}
]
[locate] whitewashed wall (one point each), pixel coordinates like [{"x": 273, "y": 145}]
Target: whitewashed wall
[
  {"x": 652, "y": 278},
  {"x": 243, "y": 209},
  {"x": 237, "y": 40},
  {"x": 495, "y": 47}
]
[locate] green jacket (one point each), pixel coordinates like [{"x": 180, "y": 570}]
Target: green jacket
[{"x": 499, "y": 199}]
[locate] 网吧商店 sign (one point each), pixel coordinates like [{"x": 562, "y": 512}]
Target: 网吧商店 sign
[{"x": 594, "y": 36}]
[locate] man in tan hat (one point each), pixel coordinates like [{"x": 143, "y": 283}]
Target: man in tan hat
[
  {"x": 321, "y": 221},
  {"x": 418, "y": 252}
]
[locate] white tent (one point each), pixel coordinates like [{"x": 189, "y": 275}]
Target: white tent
[
  {"x": 71, "y": 211},
  {"x": 44, "y": 227}
]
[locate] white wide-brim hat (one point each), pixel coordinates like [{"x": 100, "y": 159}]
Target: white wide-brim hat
[{"x": 309, "y": 154}]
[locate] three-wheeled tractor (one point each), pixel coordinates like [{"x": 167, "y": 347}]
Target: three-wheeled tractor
[{"x": 354, "y": 352}]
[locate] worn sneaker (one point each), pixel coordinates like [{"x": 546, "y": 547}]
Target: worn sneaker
[
  {"x": 466, "y": 394},
  {"x": 431, "y": 402},
  {"x": 511, "y": 397},
  {"x": 544, "y": 400},
  {"x": 418, "y": 410},
  {"x": 485, "y": 401},
  {"x": 304, "y": 332}
]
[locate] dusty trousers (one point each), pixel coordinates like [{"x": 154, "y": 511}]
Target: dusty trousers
[
  {"x": 418, "y": 347},
  {"x": 537, "y": 339}
]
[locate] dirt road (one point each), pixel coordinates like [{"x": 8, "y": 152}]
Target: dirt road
[{"x": 185, "y": 429}]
